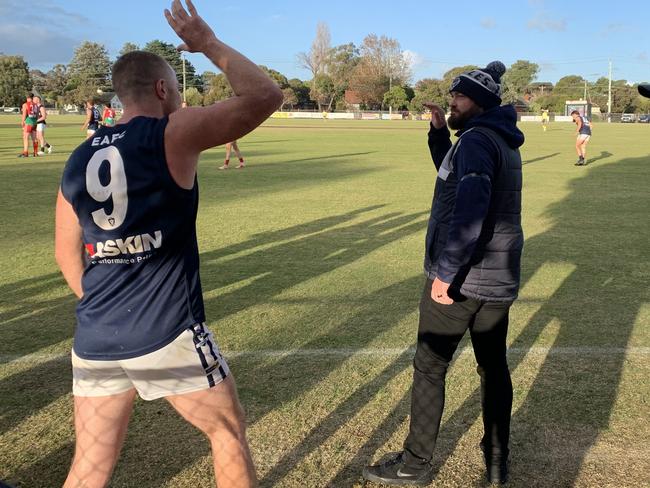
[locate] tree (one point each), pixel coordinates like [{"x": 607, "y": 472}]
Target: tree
[
  {"x": 193, "y": 97},
  {"x": 381, "y": 65},
  {"x": 289, "y": 98},
  {"x": 449, "y": 76},
  {"x": 219, "y": 89},
  {"x": 570, "y": 87},
  {"x": 276, "y": 76},
  {"x": 301, "y": 90},
  {"x": 516, "y": 80},
  {"x": 430, "y": 90},
  {"x": 89, "y": 71},
  {"x": 169, "y": 53},
  {"x": 322, "y": 91},
  {"x": 342, "y": 61},
  {"x": 39, "y": 80},
  {"x": 15, "y": 83},
  {"x": 396, "y": 98},
  {"x": 624, "y": 97},
  {"x": 128, "y": 47},
  {"x": 316, "y": 59},
  {"x": 56, "y": 86}
]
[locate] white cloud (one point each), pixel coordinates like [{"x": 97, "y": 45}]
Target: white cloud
[
  {"x": 613, "y": 28},
  {"x": 46, "y": 9},
  {"x": 41, "y": 46},
  {"x": 543, "y": 22},
  {"x": 414, "y": 60},
  {"x": 488, "y": 23}
]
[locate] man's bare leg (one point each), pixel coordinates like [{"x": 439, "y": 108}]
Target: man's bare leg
[
  {"x": 100, "y": 429},
  {"x": 218, "y": 414}
]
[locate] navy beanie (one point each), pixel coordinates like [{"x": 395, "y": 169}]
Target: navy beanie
[
  {"x": 481, "y": 85},
  {"x": 644, "y": 89}
]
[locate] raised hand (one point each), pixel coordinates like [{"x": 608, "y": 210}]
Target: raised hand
[
  {"x": 437, "y": 115},
  {"x": 195, "y": 33}
]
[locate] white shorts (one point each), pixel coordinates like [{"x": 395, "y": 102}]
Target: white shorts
[
  {"x": 192, "y": 362},
  {"x": 584, "y": 137},
  {"x": 40, "y": 127}
]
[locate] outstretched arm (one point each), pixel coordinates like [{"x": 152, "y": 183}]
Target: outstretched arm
[{"x": 195, "y": 129}]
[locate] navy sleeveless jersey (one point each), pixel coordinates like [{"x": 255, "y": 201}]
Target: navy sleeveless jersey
[
  {"x": 585, "y": 129},
  {"x": 141, "y": 284},
  {"x": 95, "y": 118}
]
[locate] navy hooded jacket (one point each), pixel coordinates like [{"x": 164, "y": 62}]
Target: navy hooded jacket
[{"x": 474, "y": 238}]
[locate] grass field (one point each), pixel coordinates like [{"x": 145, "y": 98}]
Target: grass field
[{"x": 311, "y": 268}]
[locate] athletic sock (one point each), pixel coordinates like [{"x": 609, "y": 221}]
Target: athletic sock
[
  {"x": 35, "y": 148},
  {"x": 241, "y": 160}
]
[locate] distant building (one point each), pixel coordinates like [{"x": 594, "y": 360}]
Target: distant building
[
  {"x": 352, "y": 99},
  {"x": 115, "y": 103}
]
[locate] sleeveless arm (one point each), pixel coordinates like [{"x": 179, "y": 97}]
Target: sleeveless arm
[
  {"x": 68, "y": 245},
  {"x": 195, "y": 129}
]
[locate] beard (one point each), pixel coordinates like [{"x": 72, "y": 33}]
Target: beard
[{"x": 458, "y": 120}]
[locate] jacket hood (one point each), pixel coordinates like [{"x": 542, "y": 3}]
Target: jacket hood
[{"x": 502, "y": 120}]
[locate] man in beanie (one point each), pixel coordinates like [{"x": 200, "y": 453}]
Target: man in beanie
[{"x": 472, "y": 266}]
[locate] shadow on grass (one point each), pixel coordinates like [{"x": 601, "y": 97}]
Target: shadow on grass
[
  {"x": 541, "y": 158},
  {"x": 564, "y": 412},
  {"x": 313, "y": 249},
  {"x": 570, "y": 403},
  {"x": 602, "y": 155}
]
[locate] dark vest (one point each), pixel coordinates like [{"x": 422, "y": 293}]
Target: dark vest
[
  {"x": 493, "y": 271},
  {"x": 141, "y": 283}
]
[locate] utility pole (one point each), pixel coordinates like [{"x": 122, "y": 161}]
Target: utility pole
[
  {"x": 609, "y": 95},
  {"x": 183, "y": 58},
  {"x": 390, "y": 79},
  {"x": 584, "y": 97}
]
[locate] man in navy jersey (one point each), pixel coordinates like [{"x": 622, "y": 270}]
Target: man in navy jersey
[
  {"x": 583, "y": 133},
  {"x": 93, "y": 118},
  {"x": 129, "y": 197}
]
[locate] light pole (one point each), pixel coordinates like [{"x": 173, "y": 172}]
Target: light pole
[{"x": 183, "y": 58}]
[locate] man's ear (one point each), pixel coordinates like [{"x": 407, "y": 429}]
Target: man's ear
[{"x": 161, "y": 89}]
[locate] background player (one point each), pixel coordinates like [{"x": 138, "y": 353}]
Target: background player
[
  {"x": 93, "y": 118},
  {"x": 41, "y": 126},
  {"x": 544, "y": 119},
  {"x": 29, "y": 113},
  {"x": 108, "y": 117},
  {"x": 583, "y": 132},
  {"x": 229, "y": 147}
]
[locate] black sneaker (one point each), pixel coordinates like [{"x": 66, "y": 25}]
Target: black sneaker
[
  {"x": 496, "y": 467},
  {"x": 390, "y": 470},
  {"x": 580, "y": 162}
]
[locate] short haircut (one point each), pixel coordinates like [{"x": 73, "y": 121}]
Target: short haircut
[
  {"x": 135, "y": 73},
  {"x": 91, "y": 101},
  {"x": 575, "y": 112}
]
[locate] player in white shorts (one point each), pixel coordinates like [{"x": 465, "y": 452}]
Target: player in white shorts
[
  {"x": 129, "y": 198},
  {"x": 41, "y": 125}
]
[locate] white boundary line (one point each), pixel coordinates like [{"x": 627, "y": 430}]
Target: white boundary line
[{"x": 373, "y": 352}]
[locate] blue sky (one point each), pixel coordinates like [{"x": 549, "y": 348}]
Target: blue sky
[{"x": 563, "y": 37}]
